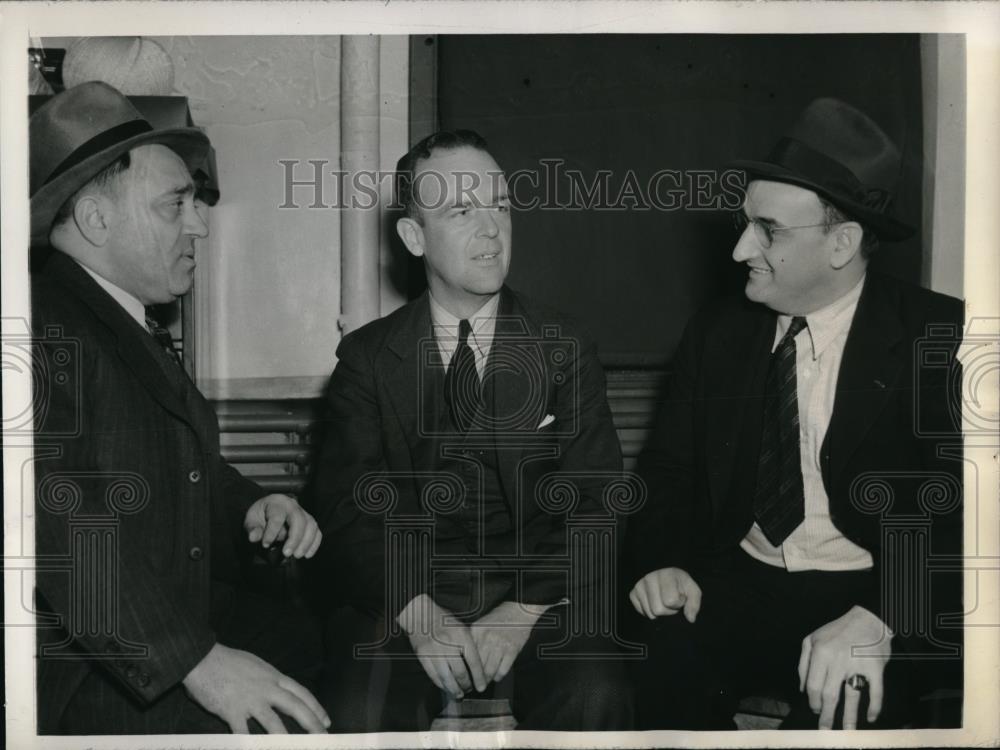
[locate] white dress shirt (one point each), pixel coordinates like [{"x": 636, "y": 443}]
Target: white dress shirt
[
  {"x": 483, "y": 323},
  {"x": 816, "y": 544}
]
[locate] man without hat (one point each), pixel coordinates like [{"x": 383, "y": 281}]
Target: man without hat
[
  {"x": 154, "y": 630},
  {"x": 459, "y": 429},
  {"x": 788, "y": 473}
]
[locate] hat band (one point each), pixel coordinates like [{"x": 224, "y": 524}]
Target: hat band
[{"x": 99, "y": 143}]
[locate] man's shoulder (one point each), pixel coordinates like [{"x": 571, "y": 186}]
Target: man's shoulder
[
  {"x": 916, "y": 306},
  {"x": 375, "y": 335}
]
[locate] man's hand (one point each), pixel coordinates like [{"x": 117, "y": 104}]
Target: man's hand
[
  {"x": 501, "y": 634},
  {"x": 666, "y": 592},
  {"x": 236, "y": 686},
  {"x": 827, "y": 661},
  {"x": 279, "y": 518},
  {"x": 443, "y": 645}
]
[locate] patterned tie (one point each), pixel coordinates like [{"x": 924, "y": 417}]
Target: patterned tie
[
  {"x": 163, "y": 338},
  {"x": 779, "y": 500},
  {"x": 461, "y": 384}
]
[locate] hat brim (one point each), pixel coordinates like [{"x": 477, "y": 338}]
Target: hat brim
[
  {"x": 884, "y": 226},
  {"x": 188, "y": 143}
]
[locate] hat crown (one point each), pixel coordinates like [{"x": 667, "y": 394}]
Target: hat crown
[
  {"x": 848, "y": 136},
  {"x": 69, "y": 120}
]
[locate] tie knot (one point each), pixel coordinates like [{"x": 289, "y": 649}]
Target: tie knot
[
  {"x": 464, "y": 329},
  {"x": 796, "y": 327}
]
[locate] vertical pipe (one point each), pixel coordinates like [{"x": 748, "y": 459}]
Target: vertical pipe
[{"x": 359, "y": 138}]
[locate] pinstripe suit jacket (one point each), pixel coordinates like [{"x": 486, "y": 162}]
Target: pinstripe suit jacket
[{"x": 138, "y": 519}]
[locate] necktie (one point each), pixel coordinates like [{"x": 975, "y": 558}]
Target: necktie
[
  {"x": 163, "y": 338},
  {"x": 461, "y": 383},
  {"x": 779, "y": 500}
]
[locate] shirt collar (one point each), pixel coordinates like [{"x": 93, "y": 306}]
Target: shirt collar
[
  {"x": 132, "y": 305},
  {"x": 483, "y": 322},
  {"x": 828, "y": 322}
]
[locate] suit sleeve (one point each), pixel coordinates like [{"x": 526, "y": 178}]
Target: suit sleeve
[
  {"x": 354, "y": 549},
  {"x": 591, "y": 458},
  {"x": 143, "y": 616}
]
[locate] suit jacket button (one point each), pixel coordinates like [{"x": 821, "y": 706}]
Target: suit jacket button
[
  {"x": 143, "y": 680},
  {"x": 196, "y": 553},
  {"x": 131, "y": 671},
  {"x": 194, "y": 477}
]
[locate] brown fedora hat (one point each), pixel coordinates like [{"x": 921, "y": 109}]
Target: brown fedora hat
[
  {"x": 79, "y": 132},
  {"x": 840, "y": 153}
]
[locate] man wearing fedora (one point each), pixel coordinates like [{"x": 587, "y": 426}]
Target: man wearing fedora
[
  {"x": 145, "y": 624},
  {"x": 788, "y": 470}
]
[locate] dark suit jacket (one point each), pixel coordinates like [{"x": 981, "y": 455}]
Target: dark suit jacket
[
  {"x": 891, "y": 415},
  {"x": 544, "y": 366},
  {"x": 119, "y": 446}
]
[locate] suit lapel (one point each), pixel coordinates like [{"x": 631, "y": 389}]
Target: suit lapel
[
  {"x": 734, "y": 408},
  {"x": 869, "y": 372},
  {"x": 409, "y": 364},
  {"x": 519, "y": 385},
  {"x": 132, "y": 349}
]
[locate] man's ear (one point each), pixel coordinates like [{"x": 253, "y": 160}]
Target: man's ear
[
  {"x": 91, "y": 215},
  {"x": 412, "y": 235},
  {"x": 847, "y": 243}
]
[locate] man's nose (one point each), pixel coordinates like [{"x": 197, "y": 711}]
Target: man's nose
[
  {"x": 488, "y": 226},
  {"x": 747, "y": 246},
  {"x": 195, "y": 221}
]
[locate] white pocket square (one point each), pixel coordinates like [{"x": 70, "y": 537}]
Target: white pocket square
[{"x": 549, "y": 419}]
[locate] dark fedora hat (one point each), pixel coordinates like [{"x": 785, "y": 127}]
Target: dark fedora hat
[
  {"x": 840, "y": 153},
  {"x": 79, "y": 132}
]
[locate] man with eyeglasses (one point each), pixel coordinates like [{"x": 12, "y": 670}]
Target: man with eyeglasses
[{"x": 786, "y": 537}]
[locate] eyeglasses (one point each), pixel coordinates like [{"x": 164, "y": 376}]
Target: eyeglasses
[{"x": 763, "y": 230}]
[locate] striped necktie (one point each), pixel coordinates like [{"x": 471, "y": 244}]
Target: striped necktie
[
  {"x": 779, "y": 500},
  {"x": 163, "y": 338}
]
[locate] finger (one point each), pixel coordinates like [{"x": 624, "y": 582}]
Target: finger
[
  {"x": 643, "y": 596},
  {"x": 814, "y": 684},
  {"x": 275, "y": 522},
  {"x": 471, "y": 655},
  {"x": 852, "y": 698},
  {"x": 460, "y": 671},
  {"x": 830, "y": 697},
  {"x": 692, "y": 604},
  {"x": 505, "y": 664},
  {"x": 491, "y": 663},
  {"x": 269, "y": 720},
  {"x": 671, "y": 596},
  {"x": 314, "y": 547},
  {"x": 804, "y": 661},
  {"x": 875, "y": 695},
  {"x": 303, "y": 694},
  {"x": 636, "y": 604},
  {"x": 447, "y": 676},
  {"x": 256, "y": 532},
  {"x": 295, "y": 707},
  {"x": 308, "y": 534},
  {"x": 238, "y": 726},
  {"x": 296, "y": 525}
]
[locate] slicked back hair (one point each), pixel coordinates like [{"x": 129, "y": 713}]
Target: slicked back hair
[{"x": 406, "y": 167}]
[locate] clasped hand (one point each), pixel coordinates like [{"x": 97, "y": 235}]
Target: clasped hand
[
  {"x": 459, "y": 657},
  {"x": 279, "y": 518}
]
